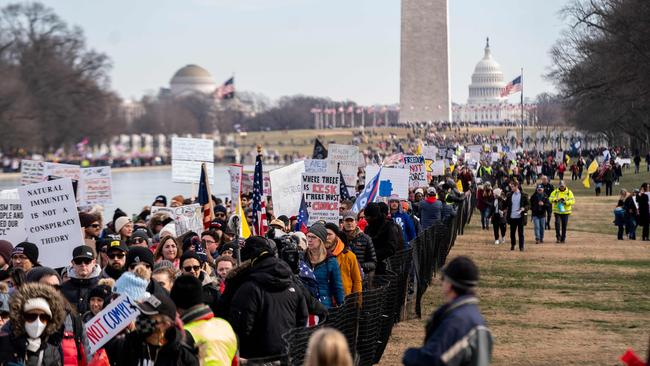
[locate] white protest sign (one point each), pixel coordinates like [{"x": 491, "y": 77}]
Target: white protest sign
[
  {"x": 622, "y": 162},
  {"x": 511, "y": 156},
  {"x": 187, "y": 156},
  {"x": 95, "y": 186},
  {"x": 31, "y": 171},
  {"x": 318, "y": 166},
  {"x": 110, "y": 322},
  {"x": 62, "y": 171},
  {"x": 186, "y": 218},
  {"x": 347, "y": 158},
  {"x": 12, "y": 225},
  {"x": 11, "y": 194},
  {"x": 417, "y": 171},
  {"x": 321, "y": 192},
  {"x": 475, "y": 148},
  {"x": 247, "y": 183},
  {"x": 286, "y": 189},
  {"x": 235, "y": 172},
  {"x": 430, "y": 152},
  {"x": 494, "y": 157},
  {"x": 438, "y": 168},
  {"x": 391, "y": 181},
  {"x": 51, "y": 220}
]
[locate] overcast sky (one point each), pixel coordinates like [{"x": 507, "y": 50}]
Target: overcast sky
[{"x": 343, "y": 49}]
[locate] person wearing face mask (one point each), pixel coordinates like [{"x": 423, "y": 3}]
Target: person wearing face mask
[{"x": 36, "y": 315}]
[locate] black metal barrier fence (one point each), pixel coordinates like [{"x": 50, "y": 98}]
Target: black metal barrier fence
[{"x": 366, "y": 319}]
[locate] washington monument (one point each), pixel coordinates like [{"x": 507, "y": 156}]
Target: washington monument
[{"x": 424, "y": 62}]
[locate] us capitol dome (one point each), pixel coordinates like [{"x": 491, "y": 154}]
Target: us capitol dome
[
  {"x": 487, "y": 81},
  {"x": 192, "y": 79}
]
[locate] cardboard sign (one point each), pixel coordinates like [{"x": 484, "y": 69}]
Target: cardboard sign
[
  {"x": 417, "y": 170},
  {"x": 321, "y": 192},
  {"x": 51, "y": 220},
  {"x": 95, "y": 186},
  {"x": 186, "y": 218},
  {"x": 110, "y": 322},
  {"x": 391, "y": 181},
  {"x": 430, "y": 152},
  {"x": 235, "y": 172},
  {"x": 286, "y": 189},
  {"x": 438, "y": 168},
  {"x": 31, "y": 171},
  {"x": 187, "y": 156},
  {"x": 12, "y": 224},
  {"x": 318, "y": 166},
  {"x": 62, "y": 171},
  {"x": 347, "y": 157},
  {"x": 475, "y": 148}
]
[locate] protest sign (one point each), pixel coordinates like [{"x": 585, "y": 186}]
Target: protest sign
[
  {"x": 347, "y": 158},
  {"x": 430, "y": 152},
  {"x": 494, "y": 157},
  {"x": 31, "y": 171},
  {"x": 321, "y": 192},
  {"x": 51, "y": 220},
  {"x": 186, "y": 218},
  {"x": 235, "y": 172},
  {"x": 475, "y": 148},
  {"x": 187, "y": 156},
  {"x": 417, "y": 171},
  {"x": 286, "y": 189},
  {"x": 9, "y": 194},
  {"x": 391, "y": 181},
  {"x": 438, "y": 168},
  {"x": 62, "y": 171},
  {"x": 95, "y": 186},
  {"x": 12, "y": 225},
  {"x": 110, "y": 321},
  {"x": 247, "y": 183},
  {"x": 318, "y": 166}
]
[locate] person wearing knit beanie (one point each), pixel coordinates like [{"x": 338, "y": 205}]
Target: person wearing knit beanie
[
  {"x": 319, "y": 230},
  {"x": 462, "y": 274},
  {"x": 132, "y": 285},
  {"x": 124, "y": 227},
  {"x": 25, "y": 256},
  {"x": 5, "y": 254},
  {"x": 137, "y": 255},
  {"x": 38, "y": 273},
  {"x": 187, "y": 292}
]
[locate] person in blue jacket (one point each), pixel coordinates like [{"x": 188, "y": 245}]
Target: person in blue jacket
[
  {"x": 456, "y": 334},
  {"x": 325, "y": 267},
  {"x": 402, "y": 219}
]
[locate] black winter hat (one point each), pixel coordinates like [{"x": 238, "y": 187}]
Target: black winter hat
[
  {"x": 462, "y": 273},
  {"x": 334, "y": 228},
  {"x": 36, "y": 273},
  {"x": 187, "y": 292},
  {"x": 191, "y": 254},
  {"x": 372, "y": 210},
  {"x": 118, "y": 213},
  {"x": 139, "y": 254},
  {"x": 160, "y": 199},
  {"x": 102, "y": 291},
  {"x": 29, "y": 250},
  {"x": 255, "y": 246}
]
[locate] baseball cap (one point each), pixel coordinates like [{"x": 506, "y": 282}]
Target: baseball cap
[
  {"x": 159, "y": 303},
  {"x": 431, "y": 190},
  {"x": 116, "y": 244},
  {"x": 142, "y": 234},
  {"x": 539, "y": 186},
  {"x": 349, "y": 215},
  {"x": 83, "y": 251}
]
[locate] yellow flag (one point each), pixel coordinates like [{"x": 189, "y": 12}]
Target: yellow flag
[
  {"x": 459, "y": 185},
  {"x": 418, "y": 151},
  {"x": 244, "y": 230},
  {"x": 593, "y": 167},
  {"x": 585, "y": 182}
]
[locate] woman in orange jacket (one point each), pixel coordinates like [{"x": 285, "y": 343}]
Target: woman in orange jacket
[{"x": 350, "y": 269}]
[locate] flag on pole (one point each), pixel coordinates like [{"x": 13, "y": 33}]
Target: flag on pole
[
  {"x": 244, "y": 229},
  {"x": 320, "y": 151},
  {"x": 344, "y": 193},
  {"x": 227, "y": 90},
  {"x": 303, "y": 217},
  {"x": 260, "y": 224},
  {"x": 513, "y": 87},
  {"x": 204, "y": 198},
  {"x": 368, "y": 195},
  {"x": 593, "y": 167}
]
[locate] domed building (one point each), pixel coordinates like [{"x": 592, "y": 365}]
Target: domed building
[
  {"x": 192, "y": 79},
  {"x": 485, "y": 103}
]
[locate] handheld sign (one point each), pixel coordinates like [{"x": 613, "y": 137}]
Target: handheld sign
[
  {"x": 12, "y": 225},
  {"x": 187, "y": 156},
  {"x": 417, "y": 171},
  {"x": 286, "y": 190},
  {"x": 321, "y": 192},
  {"x": 110, "y": 322},
  {"x": 51, "y": 220},
  {"x": 95, "y": 186}
]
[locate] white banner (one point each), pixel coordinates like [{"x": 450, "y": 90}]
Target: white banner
[
  {"x": 12, "y": 224},
  {"x": 187, "y": 156},
  {"x": 347, "y": 156},
  {"x": 62, "y": 170},
  {"x": 110, "y": 321},
  {"x": 286, "y": 184},
  {"x": 185, "y": 171},
  {"x": 321, "y": 192},
  {"x": 391, "y": 181},
  {"x": 51, "y": 220},
  {"x": 95, "y": 186},
  {"x": 186, "y": 218}
]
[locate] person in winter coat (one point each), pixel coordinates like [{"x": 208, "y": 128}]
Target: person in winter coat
[
  {"x": 158, "y": 339},
  {"x": 192, "y": 264},
  {"x": 518, "y": 205},
  {"x": 325, "y": 267},
  {"x": 644, "y": 211},
  {"x": 385, "y": 234},
  {"x": 499, "y": 216},
  {"x": 360, "y": 243},
  {"x": 631, "y": 214},
  {"x": 348, "y": 264},
  {"x": 214, "y": 338},
  {"x": 562, "y": 200},
  {"x": 116, "y": 253},
  {"x": 485, "y": 198},
  {"x": 36, "y": 315},
  {"x": 261, "y": 300},
  {"x": 539, "y": 207},
  {"x": 83, "y": 274},
  {"x": 548, "y": 189},
  {"x": 430, "y": 209},
  {"x": 619, "y": 219},
  {"x": 456, "y": 334},
  {"x": 402, "y": 219}
]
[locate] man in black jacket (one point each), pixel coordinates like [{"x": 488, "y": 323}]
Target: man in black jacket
[
  {"x": 84, "y": 273},
  {"x": 360, "y": 243},
  {"x": 540, "y": 206},
  {"x": 261, "y": 300},
  {"x": 518, "y": 206},
  {"x": 548, "y": 188},
  {"x": 385, "y": 234}
]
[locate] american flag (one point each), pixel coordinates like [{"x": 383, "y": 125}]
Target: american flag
[
  {"x": 204, "y": 198},
  {"x": 260, "y": 224},
  {"x": 513, "y": 87},
  {"x": 303, "y": 217},
  {"x": 368, "y": 195},
  {"x": 227, "y": 90},
  {"x": 343, "y": 194}
]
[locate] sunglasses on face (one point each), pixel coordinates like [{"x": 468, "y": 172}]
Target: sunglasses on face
[
  {"x": 192, "y": 268},
  {"x": 79, "y": 261},
  {"x": 95, "y": 226},
  {"x": 137, "y": 240},
  {"x": 30, "y": 317},
  {"x": 220, "y": 214},
  {"x": 116, "y": 255},
  {"x": 132, "y": 266}
]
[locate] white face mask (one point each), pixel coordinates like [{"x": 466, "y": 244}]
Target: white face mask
[{"x": 35, "y": 328}]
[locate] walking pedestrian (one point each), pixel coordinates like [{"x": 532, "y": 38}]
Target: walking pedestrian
[
  {"x": 518, "y": 206},
  {"x": 539, "y": 207},
  {"x": 500, "y": 216},
  {"x": 643, "y": 201},
  {"x": 562, "y": 199}
]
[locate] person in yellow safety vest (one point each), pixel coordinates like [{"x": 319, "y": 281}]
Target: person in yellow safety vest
[
  {"x": 562, "y": 200},
  {"x": 214, "y": 338}
]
